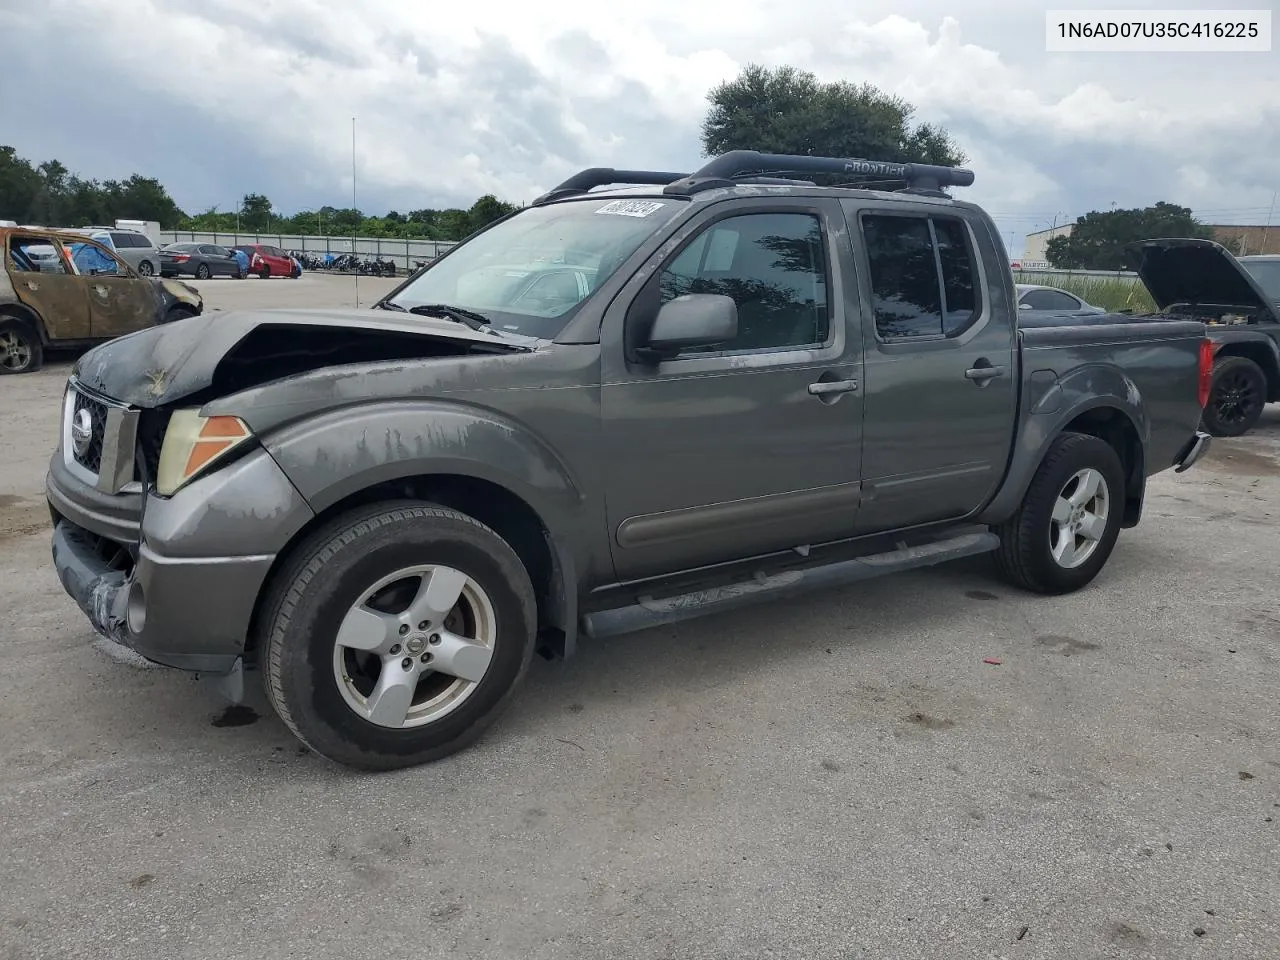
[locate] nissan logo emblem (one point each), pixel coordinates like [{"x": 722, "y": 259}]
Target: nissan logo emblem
[{"x": 81, "y": 431}]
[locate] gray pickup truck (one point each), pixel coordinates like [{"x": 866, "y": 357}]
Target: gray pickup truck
[{"x": 613, "y": 409}]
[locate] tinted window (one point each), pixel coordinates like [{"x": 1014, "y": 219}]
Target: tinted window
[
  {"x": 209, "y": 250},
  {"x": 773, "y": 265},
  {"x": 122, "y": 240},
  {"x": 1049, "y": 300},
  {"x": 959, "y": 298},
  {"x": 183, "y": 247},
  {"x": 923, "y": 277}
]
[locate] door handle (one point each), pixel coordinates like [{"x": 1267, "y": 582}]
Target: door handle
[
  {"x": 983, "y": 372},
  {"x": 824, "y": 388}
]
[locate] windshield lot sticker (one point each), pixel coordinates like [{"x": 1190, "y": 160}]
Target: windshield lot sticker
[{"x": 631, "y": 208}]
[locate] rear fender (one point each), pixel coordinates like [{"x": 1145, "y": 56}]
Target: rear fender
[{"x": 1092, "y": 387}]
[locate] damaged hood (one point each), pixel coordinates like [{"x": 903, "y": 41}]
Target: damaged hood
[
  {"x": 164, "y": 363},
  {"x": 1185, "y": 271}
]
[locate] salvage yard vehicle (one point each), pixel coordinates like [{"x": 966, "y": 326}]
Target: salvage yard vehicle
[
  {"x": 1201, "y": 280},
  {"x": 61, "y": 289},
  {"x": 768, "y": 386}
]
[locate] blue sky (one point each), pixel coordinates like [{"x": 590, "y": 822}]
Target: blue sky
[{"x": 225, "y": 97}]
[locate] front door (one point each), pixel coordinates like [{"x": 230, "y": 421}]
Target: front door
[
  {"x": 752, "y": 445},
  {"x": 941, "y": 384},
  {"x": 120, "y": 301},
  {"x": 44, "y": 281}
]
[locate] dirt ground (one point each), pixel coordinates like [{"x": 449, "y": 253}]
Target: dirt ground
[{"x": 843, "y": 775}]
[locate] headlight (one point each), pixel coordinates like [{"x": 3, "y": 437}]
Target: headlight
[{"x": 191, "y": 443}]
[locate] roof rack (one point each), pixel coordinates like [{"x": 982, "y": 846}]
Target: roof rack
[
  {"x": 740, "y": 167},
  {"x": 606, "y": 176},
  {"x": 729, "y": 168}
]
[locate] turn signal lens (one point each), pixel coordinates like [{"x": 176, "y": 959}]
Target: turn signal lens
[{"x": 191, "y": 443}]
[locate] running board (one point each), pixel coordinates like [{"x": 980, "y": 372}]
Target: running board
[{"x": 650, "y": 612}]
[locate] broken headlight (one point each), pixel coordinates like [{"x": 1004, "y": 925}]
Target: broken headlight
[{"x": 192, "y": 443}]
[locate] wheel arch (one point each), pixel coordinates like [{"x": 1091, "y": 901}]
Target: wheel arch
[
  {"x": 27, "y": 315},
  {"x": 550, "y": 565},
  {"x": 1263, "y": 351},
  {"x": 1099, "y": 400}
]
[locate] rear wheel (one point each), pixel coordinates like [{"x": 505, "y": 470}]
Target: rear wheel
[
  {"x": 1067, "y": 526},
  {"x": 396, "y": 635},
  {"x": 1236, "y": 397},
  {"x": 203, "y": 272},
  {"x": 20, "y": 347}
]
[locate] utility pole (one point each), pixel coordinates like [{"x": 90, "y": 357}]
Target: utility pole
[
  {"x": 1267, "y": 229},
  {"x": 354, "y": 226}
]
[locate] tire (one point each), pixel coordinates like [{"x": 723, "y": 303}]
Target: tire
[
  {"x": 264, "y": 272},
  {"x": 327, "y": 693},
  {"x": 178, "y": 313},
  {"x": 20, "y": 348},
  {"x": 1236, "y": 397},
  {"x": 1026, "y": 556},
  {"x": 146, "y": 268},
  {"x": 203, "y": 272}
]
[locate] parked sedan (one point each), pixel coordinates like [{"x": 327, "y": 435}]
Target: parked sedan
[
  {"x": 1035, "y": 301},
  {"x": 200, "y": 260}
]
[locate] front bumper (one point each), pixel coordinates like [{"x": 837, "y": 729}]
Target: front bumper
[
  {"x": 1196, "y": 448},
  {"x": 184, "y": 613},
  {"x": 174, "y": 582}
]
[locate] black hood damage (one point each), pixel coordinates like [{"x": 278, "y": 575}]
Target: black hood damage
[
  {"x": 1196, "y": 273},
  {"x": 215, "y": 354}
]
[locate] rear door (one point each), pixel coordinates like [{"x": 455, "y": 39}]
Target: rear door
[
  {"x": 725, "y": 453},
  {"x": 43, "y": 280},
  {"x": 941, "y": 384},
  {"x": 125, "y": 249}
]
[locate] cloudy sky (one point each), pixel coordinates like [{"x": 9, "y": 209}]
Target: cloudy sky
[{"x": 218, "y": 98}]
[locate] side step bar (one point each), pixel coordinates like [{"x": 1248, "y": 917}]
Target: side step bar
[{"x": 650, "y": 612}]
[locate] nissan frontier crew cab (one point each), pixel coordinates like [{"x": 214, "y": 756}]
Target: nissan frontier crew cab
[{"x": 613, "y": 409}]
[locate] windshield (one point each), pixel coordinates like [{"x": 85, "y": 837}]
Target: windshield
[
  {"x": 1267, "y": 274},
  {"x": 530, "y": 273}
]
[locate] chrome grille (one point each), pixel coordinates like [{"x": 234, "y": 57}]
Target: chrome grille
[{"x": 88, "y": 453}]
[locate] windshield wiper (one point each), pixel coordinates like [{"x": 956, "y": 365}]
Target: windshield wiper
[
  {"x": 388, "y": 305},
  {"x": 468, "y": 318}
]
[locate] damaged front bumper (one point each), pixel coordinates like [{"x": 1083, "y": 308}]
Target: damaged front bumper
[{"x": 183, "y": 613}]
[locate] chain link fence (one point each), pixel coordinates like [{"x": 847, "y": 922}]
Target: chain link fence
[{"x": 405, "y": 254}]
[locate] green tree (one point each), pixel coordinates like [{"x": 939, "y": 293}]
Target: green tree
[
  {"x": 255, "y": 213},
  {"x": 786, "y": 110},
  {"x": 1097, "y": 240}
]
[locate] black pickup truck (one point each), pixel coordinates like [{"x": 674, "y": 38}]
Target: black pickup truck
[
  {"x": 1201, "y": 280},
  {"x": 610, "y": 410}
]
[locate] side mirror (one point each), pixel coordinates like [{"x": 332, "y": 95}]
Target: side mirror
[
  {"x": 1024, "y": 306},
  {"x": 693, "y": 320}
]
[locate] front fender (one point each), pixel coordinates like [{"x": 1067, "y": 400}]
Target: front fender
[
  {"x": 348, "y": 449},
  {"x": 1088, "y": 387}
]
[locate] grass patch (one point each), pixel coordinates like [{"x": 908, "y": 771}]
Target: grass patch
[{"x": 1110, "y": 293}]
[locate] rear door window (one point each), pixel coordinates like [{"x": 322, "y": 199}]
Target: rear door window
[{"x": 923, "y": 276}]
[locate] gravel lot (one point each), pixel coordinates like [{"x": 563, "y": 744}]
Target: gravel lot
[{"x": 838, "y": 776}]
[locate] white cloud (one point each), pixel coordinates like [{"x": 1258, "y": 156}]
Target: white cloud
[{"x": 454, "y": 100}]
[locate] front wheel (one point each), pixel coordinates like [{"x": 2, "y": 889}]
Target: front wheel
[
  {"x": 1236, "y": 397},
  {"x": 264, "y": 272},
  {"x": 203, "y": 272},
  {"x": 146, "y": 268},
  {"x": 1067, "y": 525},
  {"x": 396, "y": 635}
]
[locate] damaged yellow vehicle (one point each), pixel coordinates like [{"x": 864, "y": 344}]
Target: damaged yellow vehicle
[{"x": 63, "y": 290}]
